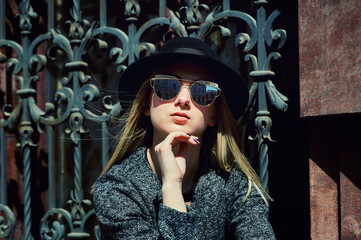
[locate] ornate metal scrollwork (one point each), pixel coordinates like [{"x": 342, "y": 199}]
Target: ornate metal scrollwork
[
  {"x": 7, "y": 227},
  {"x": 132, "y": 9},
  {"x": 26, "y": 12},
  {"x": 261, "y": 33},
  {"x": 263, "y": 85},
  {"x": 76, "y": 91}
]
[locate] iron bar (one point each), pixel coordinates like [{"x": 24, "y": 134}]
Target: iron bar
[
  {"x": 78, "y": 173},
  {"x": 4, "y": 199},
  {"x": 51, "y": 168},
  {"x": 26, "y": 130},
  {"x": 103, "y": 13},
  {"x": 51, "y": 7},
  {"x": 105, "y": 144},
  {"x": 162, "y": 8},
  {"x": 260, "y": 123},
  {"x": 261, "y": 47},
  {"x": 262, "y": 76},
  {"x": 2, "y": 19},
  {"x": 51, "y": 198},
  {"x": 27, "y": 199},
  {"x": 62, "y": 186},
  {"x": 226, "y": 5}
]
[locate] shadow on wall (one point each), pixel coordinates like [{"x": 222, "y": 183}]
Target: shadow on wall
[{"x": 335, "y": 166}]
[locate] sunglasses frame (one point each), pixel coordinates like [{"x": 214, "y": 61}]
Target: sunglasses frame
[{"x": 170, "y": 77}]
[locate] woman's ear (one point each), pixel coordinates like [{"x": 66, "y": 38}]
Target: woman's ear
[
  {"x": 212, "y": 122},
  {"x": 147, "y": 112}
]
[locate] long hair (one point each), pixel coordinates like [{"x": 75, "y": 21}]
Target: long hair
[
  {"x": 136, "y": 128},
  {"x": 227, "y": 145},
  {"x": 221, "y": 143}
]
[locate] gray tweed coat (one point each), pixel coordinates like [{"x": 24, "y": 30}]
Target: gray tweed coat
[{"x": 128, "y": 205}]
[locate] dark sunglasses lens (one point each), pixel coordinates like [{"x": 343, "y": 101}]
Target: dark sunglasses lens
[
  {"x": 203, "y": 94},
  {"x": 166, "y": 89}
]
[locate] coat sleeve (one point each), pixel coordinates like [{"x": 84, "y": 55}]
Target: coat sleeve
[
  {"x": 177, "y": 225},
  {"x": 122, "y": 214},
  {"x": 249, "y": 218}
]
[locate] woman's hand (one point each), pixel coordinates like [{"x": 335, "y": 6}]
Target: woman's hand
[{"x": 173, "y": 167}]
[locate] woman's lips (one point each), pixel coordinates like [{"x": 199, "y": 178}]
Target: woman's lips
[{"x": 179, "y": 117}]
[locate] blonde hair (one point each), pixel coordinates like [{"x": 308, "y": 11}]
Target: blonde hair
[
  {"x": 227, "y": 147},
  {"x": 136, "y": 128},
  {"x": 221, "y": 143}
]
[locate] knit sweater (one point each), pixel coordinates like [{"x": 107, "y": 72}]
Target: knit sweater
[{"x": 128, "y": 205}]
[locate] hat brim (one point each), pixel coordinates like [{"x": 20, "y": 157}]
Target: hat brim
[{"x": 233, "y": 86}]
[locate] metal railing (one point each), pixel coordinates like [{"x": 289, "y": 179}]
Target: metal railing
[{"x": 75, "y": 95}]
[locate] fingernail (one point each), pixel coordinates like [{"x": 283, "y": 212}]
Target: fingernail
[{"x": 198, "y": 142}]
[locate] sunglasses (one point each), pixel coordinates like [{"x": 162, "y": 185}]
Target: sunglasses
[{"x": 167, "y": 88}]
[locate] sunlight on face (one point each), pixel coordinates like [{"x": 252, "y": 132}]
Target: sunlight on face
[{"x": 181, "y": 113}]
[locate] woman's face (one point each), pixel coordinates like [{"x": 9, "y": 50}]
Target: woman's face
[{"x": 181, "y": 113}]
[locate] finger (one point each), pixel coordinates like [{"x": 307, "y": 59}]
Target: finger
[
  {"x": 175, "y": 138},
  {"x": 183, "y": 146},
  {"x": 191, "y": 139},
  {"x": 194, "y": 139}
]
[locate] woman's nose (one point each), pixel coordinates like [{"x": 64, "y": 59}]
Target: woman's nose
[{"x": 183, "y": 97}]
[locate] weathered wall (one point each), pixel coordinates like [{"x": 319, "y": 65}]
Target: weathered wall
[
  {"x": 330, "y": 74},
  {"x": 330, "y": 86},
  {"x": 335, "y": 180}
]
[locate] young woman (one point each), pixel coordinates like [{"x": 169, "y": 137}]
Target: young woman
[{"x": 177, "y": 171}]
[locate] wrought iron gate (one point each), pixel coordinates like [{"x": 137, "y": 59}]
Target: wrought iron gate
[{"x": 74, "y": 69}]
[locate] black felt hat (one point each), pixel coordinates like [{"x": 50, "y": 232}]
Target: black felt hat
[{"x": 188, "y": 49}]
